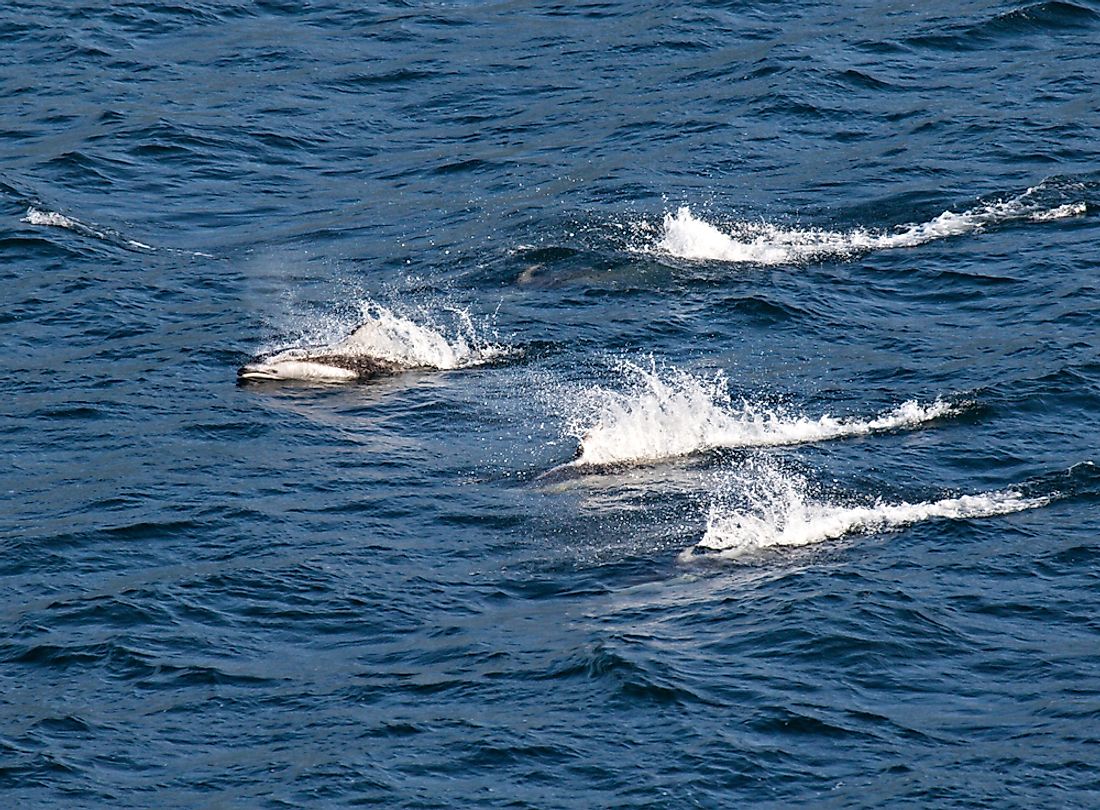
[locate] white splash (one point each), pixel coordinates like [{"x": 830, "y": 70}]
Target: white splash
[
  {"x": 1075, "y": 209},
  {"x": 670, "y": 413},
  {"x": 51, "y": 219},
  {"x": 780, "y": 514},
  {"x": 388, "y": 336},
  {"x": 686, "y": 236}
]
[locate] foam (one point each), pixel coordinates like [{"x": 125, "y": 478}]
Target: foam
[
  {"x": 389, "y": 336},
  {"x": 686, "y": 236},
  {"x": 50, "y": 218},
  {"x": 1075, "y": 209},
  {"x": 779, "y": 514},
  {"x": 669, "y": 413}
]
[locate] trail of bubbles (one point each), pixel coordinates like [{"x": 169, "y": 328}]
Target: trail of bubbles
[{"x": 669, "y": 413}]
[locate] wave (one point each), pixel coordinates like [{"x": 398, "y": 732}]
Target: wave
[
  {"x": 53, "y": 219},
  {"x": 685, "y": 236},
  {"x": 383, "y": 334},
  {"x": 671, "y": 413},
  {"x": 779, "y": 514},
  {"x": 1038, "y": 17}
]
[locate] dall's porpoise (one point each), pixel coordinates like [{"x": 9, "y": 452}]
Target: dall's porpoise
[{"x": 349, "y": 360}]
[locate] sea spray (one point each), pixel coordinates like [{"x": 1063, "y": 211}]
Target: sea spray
[
  {"x": 762, "y": 507},
  {"x": 684, "y": 235},
  {"x": 51, "y": 219},
  {"x": 425, "y": 343},
  {"x": 665, "y": 413}
]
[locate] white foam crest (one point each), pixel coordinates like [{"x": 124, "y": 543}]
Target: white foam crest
[
  {"x": 780, "y": 514},
  {"x": 670, "y": 413},
  {"x": 387, "y": 335},
  {"x": 51, "y": 219},
  {"x": 686, "y": 236},
  {"x": 1075, "y": 209}
]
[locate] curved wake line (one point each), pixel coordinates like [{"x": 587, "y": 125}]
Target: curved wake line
[
  {"x": 53, "y": 219},
  {"x": 685, "y": 236},
  {"x": 671, "y": 413},
  {"x": 735, "y": 533}
]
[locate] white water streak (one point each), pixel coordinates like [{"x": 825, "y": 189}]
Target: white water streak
[
  {"x": 780, "y": 514},
  {"x": 672, "y": 413},
  {"x": 686, "y": 236},
  {"x": 53, "y": 219}
]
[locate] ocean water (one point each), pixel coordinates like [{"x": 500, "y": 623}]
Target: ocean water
[{"x": 748, "y": 453}]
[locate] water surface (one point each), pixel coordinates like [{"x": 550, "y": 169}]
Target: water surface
[{"x": 748, "y": 459}]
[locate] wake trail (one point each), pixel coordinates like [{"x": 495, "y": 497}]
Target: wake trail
[
  {"x": 54, "y": 219},
  {"x": 684, "y": 235},
  {"x": 669, "y": 413},
  {"x": 778, "y": 512}
]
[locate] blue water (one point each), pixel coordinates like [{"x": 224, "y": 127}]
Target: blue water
[{"x": 406, "y": 592}]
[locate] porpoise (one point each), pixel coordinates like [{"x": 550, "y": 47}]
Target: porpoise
[{"x": 322, "y": 364}]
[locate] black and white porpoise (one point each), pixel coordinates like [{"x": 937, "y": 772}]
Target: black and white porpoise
[{"x": 317, "y": 365}]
